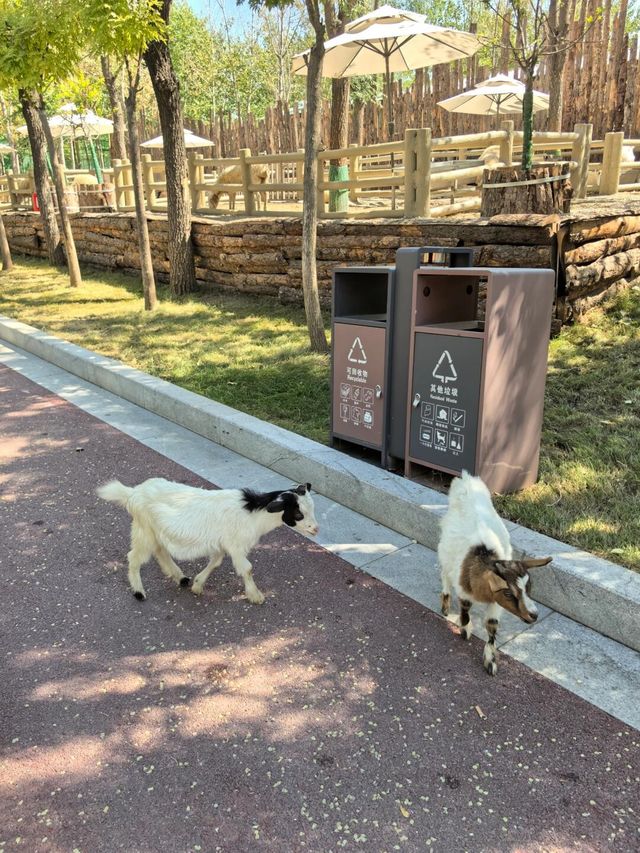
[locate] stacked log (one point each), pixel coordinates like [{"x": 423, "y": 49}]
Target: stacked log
[{"x": 601, "y": 255}]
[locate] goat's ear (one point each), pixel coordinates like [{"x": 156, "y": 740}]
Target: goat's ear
[
  {"x": 276, "y": 506},
  {"x": 534, "y": 562},
  {"x": 496, "y": 583},
  {"x": 303, "y": 488}
]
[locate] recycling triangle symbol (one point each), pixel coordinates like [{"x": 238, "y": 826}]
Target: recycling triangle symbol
[
  {"x": 357, "y": 354},
  {"x": 444, "y": 369}
]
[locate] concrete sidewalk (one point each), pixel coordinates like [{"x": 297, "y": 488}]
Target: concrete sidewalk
[{"x": 341, "y": 714}]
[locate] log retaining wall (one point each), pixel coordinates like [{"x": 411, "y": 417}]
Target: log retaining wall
[{"x": 590, "y": 251}]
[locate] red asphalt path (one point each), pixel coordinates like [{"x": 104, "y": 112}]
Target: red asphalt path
[{"x": 339, "y": 715}]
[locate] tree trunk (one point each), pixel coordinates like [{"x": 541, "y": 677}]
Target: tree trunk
[
  {"x": 339, "y": 138},
  {"x": 5, "y": 251},
  {"x": 38, "y": 144},
  {"x": 146, "y": 263},
  {"x": 182, "y": 269},
  {"x": 15, "y": 160},
  {"x": 315, "y": 324},
  {"x": 560, "y": 14},
  {"x": 75, "y": 277},
  {"x": 118, "y": 142}
]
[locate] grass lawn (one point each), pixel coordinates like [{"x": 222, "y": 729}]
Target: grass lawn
[{"x": 252, "y": 353}]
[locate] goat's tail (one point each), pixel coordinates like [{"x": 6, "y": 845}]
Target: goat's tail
[
  {"x": 465, "y": 489},
  {"x": 115, "y": 491}
]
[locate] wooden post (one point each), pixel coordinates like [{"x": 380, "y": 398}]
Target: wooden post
[
  {"x": 611, "y": 161},
  {"x": 147, "y": 181},
  {"x": 12, "y": 184},
  {"x": 320, "y": 207},
  {"x": 354, "y": 168},
  {"x": 410, "y": 162},
  {"x": 245, "y": 171},
  {"x": 506, "y": 145},
  {"x": 193, "y": 180},
  {"x": 5, "y": 251},
  {"x": 300, "y": 174},
  {"x": 127, "y": 180},
  {"x": 423, "y": 171},
  {"x": 117, "y": 183},
  {"x": 580, "y": 153}
]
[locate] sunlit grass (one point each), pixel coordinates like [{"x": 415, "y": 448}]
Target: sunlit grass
[{"x": 252, "y": 353}]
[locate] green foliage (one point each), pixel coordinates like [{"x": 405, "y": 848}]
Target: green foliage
[
  {"x": 194, "y": 53},
  {"x": 122, "y": 28},
  {"x": 40, "y": 42}
]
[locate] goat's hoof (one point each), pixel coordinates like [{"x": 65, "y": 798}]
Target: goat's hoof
[
  {"x": 140, "y": 595},
  {"x": 256, "y": 598},
  {"x": 196, "y": 589},
  {"x": 491, "y": 667},
  {"x": 465, "y": 633},
  {"x": 185, "y": 581}
]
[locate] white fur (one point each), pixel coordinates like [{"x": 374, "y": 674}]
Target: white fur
[
  {"x": 174, "y": 520},
  {"x": 470, "y": 520},
  {"x": 233, "y": 175}
]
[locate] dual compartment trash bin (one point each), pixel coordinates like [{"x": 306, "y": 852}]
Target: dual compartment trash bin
[
  {"x": 371, "y": 325},
  {"x": 418, "y": 377}
]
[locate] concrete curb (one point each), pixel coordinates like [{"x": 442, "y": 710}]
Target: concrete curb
[{"x": 592, "y": 591}]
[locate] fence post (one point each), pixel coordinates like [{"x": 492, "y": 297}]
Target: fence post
[
  {"x": 506, "y": 145},
  {"x": 245, "y": 171},
  {"x": 12, "y": 184},
  {"x": 193, "y": 180},
  {"x": 410, "y": 173},
  {"x": 127, "y": 180},
  {"x": 147, "y": 181},
  {"x": 580, "y": 154},
  {"x": 320, "y": 192},
  {"x": 300, "y": 173},
  {"x": 423, "y": 171},
  {"x": 354, "y": 168},
  {"x": 611, "y": 161},
  {"x": 117, "y": 183}
]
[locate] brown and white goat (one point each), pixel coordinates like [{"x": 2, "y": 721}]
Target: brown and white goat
[
  {"x": 476, "y": 562},
  {"x": 233, "y": 175}
]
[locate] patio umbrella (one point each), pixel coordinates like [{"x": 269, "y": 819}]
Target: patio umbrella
[
  {"x": 499, "y": 94},
  {"x": 388, "y": 40},
  {"x": 5, "y": 149},
  {"x": 190, "y": 141},
  {"x": 77, "y": 125}
]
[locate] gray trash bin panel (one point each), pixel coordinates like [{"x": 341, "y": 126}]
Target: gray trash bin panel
[{"x": 445, "y": 401}]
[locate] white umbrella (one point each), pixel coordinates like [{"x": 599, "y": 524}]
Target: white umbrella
[
  {"x": 190, "y": 141},
  {"x": 499, "y": 94},
  {"x": 75, "y": 125},
  {"x": 5, "y": 149},
  {"x": 372, "y": 46}
]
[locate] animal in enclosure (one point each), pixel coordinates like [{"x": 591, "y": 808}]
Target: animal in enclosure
[
  {"x": 233, "y": 175},
  {"x": 172, "y": 520},
  {"x": 84, "y": 180},
  {"x": 476, "y": 561},
  {"x": 491, "y": 157}
]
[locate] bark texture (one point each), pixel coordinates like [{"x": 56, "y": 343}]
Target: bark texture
[
  {"x": 118, "y": 141},
  {"x": 144, "y": 245},
  {"x": 75, "y": 277},
  {"x": 315, "y": 324},
  {"x": 5, "y": 251},
  {"x": 182, "y": 276},
  {"x": 38, "y": 142},
  {"x": 540, "y": 198}
]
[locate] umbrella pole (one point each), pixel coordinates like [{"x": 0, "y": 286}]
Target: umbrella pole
[{"x": 390, "y": 125}]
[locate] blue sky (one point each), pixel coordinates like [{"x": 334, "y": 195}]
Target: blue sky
[{"x": 241, "y": 15}]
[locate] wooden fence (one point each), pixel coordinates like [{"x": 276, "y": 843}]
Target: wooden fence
[{"x": 422, "y": 176}]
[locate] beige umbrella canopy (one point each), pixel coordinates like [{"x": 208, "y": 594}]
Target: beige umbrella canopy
[
  {"x": 190, "y": 141},
  {"x": 69, "y": 122},
  {"x": 388, "y": 40},
  {"x": 499, "y": 94},
  {"x": 5, "y": 149}
]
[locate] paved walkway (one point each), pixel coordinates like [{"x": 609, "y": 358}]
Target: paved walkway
[{"x": 341, "y": 714}]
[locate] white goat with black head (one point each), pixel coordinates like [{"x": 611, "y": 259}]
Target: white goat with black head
[
  {"x": 476, "y": 561},
  {"x": 174, "y": 520}
]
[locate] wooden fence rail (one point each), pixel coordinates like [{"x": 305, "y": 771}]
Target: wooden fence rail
[{"x": 420, "y": 176}]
